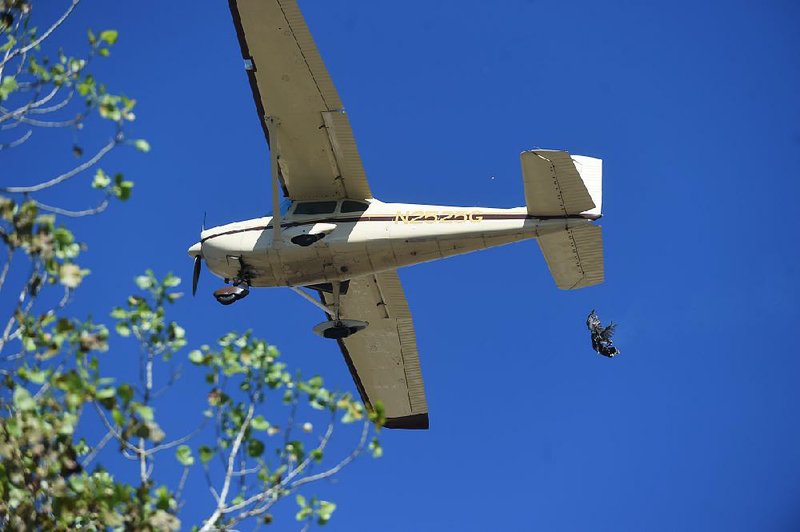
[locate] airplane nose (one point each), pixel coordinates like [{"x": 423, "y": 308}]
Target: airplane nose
[{"x": 195, "y": 250}]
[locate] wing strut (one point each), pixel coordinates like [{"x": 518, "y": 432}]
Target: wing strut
[{"x": 276, "y": 199}]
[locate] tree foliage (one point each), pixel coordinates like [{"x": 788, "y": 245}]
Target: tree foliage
[{"x": 255, "y": 443}]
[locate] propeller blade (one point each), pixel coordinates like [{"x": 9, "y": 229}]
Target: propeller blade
[{"x": 198, "y": 263}]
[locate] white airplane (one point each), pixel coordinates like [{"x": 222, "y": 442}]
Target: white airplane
[{"x": 332, "y": 237}]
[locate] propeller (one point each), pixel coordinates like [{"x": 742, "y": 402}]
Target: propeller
[{"x": 198, "y": 263}]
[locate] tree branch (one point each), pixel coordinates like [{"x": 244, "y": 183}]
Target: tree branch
[
  {"x": 73, "y": 214},
  {"x": 15, "y": 143},
  {"x": 97, "y": 448},
  {"x": 229, "y": 472},
  {"x": 67, "y": 175}
]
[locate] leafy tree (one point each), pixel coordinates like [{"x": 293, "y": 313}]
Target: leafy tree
[{"x": 55, "y": 380}]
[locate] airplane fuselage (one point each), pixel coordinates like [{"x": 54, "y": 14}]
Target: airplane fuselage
[{"x": 383, "y": 236}]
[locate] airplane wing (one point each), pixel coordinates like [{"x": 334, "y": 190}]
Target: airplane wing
[
  {"x": 317, "y": 153},
  {"x": 383, "y": 358}
]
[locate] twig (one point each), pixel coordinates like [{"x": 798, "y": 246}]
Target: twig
[
  {"x": 72, "y": 214},
  {"x": 114, "y": 431},
  {"x": 229, "y": 472},
  {"x": 67, "y": 175},
  {"x": 15, "y": 143},
  {"x": 181, "y": 484},
  {"x": 174, "y": 443},
  {"x": 97, "y": 448},
  {"x": 6, "y": 266},
  {"x": 335, "y": 469}
]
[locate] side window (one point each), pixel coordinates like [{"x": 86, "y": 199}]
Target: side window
[
  {"x": 315, "y": 207},
  {"x": 354, "y": 206}
]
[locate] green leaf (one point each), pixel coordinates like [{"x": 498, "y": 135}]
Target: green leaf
[
  {"x": 206, "y": 453},
  {"x": 255, "y": 448},
  {"x": 123, "y": 190},
  {"x": 23, "y": 400},
  {"x": 144, "y": 282},
  {"x": 143, "y": 146},
  {"x": 259, "y": 423},
  {"x": 145, "y": 412},
  {"x": 105, "y": 393},
  {"x": 375, "y": 448},
  {"x": 184, "y": 455},
  {"x": 125, "y": 392},
  {"x": 70, "y": 275},
  {"x": 7, "y": 85},
  {"x": 196, "y": 357},
  {"x": 109, "y": 36},
  {"x": 123, "y": 329},
  {"x": 326, "y": 509},
  {"x": 101, "y": 179}
]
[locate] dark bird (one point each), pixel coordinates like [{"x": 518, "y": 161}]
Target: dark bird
[{"x": 601, "y": 336}]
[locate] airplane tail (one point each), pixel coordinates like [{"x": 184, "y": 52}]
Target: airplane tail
[
  {"x": 556, "y": 185},
  {"x": 560, "y": 184}
]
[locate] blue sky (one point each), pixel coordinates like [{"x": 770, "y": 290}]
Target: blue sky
[{"x": 693, "y": 108}]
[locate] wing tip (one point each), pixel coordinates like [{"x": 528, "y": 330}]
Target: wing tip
[{"x": 412, "y": 422}]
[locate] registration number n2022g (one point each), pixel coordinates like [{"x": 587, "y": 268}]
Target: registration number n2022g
[{"x": 435, "y": 217}]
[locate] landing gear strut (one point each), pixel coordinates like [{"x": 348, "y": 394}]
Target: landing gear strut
[{"x": 337, "y": 328}]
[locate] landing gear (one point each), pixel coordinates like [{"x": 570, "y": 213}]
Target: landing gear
[
  {"x": 337, "y": 328},
  {"x": 229, "y": 295}
]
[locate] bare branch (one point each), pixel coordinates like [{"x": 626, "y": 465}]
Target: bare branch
[
  {"x": 179, "y": 441},
  {"x": 7, "y": 332},
  {"x": 181, "y": 485},
  {"x": 229, "y": 472},
  {"x": 97, "y": 448},
  {"x": 51, "y": 124},
  {"x": 338, "y": 467},
  {"x": 28, "y": 107},
  {"x": 55, "y": 107},
  {"x": 270, "y": 495},
  {"x": 73, "y": 214},
  {"x": 114, "y": 431},
  {"x": 141, "y": 451},
  {"x": 6, "y": 266},
  {"x": 15, "y": 143},
  {"x": 67, "y": 175}
]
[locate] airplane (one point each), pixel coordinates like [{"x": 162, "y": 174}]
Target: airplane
[{"x": 337, "y": 246}]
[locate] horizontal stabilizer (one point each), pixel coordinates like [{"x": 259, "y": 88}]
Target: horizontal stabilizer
[
  {"x": 557, "y": 184},
  {"x": 574, "y": 256}
]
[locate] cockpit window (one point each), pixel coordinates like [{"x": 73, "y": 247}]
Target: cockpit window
[
  {"x": 315, "y": 207},
  {"x": 354, "y": 206}
]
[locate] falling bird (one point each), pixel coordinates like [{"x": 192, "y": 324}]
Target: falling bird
[{"x": 601, "y": 336}]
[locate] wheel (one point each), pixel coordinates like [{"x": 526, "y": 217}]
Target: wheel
[
  {"x": 337, "y": 330},
  {"x": 226, "y": 299},
  {"x": 231, "y": 294}
]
